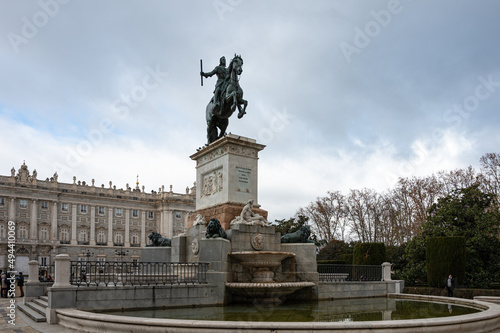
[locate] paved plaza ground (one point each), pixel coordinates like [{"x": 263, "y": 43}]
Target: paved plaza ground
[{"x": 23, "y": 324}]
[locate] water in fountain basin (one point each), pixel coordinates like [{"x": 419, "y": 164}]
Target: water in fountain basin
[{"x": 372, "y": 309}]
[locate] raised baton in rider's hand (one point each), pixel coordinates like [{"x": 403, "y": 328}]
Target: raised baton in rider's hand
[{"x": 201, "y": 71}]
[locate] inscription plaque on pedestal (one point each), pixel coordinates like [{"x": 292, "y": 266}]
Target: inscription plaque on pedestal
[{"x": 244, "y": 175}]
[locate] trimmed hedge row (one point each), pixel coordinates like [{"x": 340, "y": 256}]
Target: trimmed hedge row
[
  {"x": 368, "y": 254},
  {"x": 445, "y": 256}
]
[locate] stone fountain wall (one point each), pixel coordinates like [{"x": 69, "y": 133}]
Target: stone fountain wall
[{"x": 194, "y": 247}]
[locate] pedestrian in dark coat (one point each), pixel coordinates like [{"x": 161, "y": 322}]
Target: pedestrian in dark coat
[{"x": 449, "y": 283}]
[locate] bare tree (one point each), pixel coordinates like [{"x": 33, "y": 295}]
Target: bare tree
[
  {"x": 457, "y": 179},
  {"x": 490, "y": 168},
  {"x": 363, "y": 211},
  {"x": 327, "y": 216}
]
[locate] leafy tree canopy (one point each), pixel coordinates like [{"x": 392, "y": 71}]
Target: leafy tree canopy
[
  {"x": 470, "y": 213},
  {"x": 293, "y": 224}
]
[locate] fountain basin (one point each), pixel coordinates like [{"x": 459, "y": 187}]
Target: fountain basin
[
  {"x": 484, "y": 321},
  {"x": 266, "y": 292}
]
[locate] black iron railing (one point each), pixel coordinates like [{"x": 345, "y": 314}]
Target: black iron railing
[
  {"x": 95, "y": 273},
  {"x": 339, "y": 273}
]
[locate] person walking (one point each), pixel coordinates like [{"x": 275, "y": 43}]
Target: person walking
[
  {"x": 20, "y": 283},
  {"x": 3, "y": 280},
  {"x": 449, "y": 283}
]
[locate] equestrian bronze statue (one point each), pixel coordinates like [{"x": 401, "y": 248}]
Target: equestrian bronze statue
[{"x": 228, "y": 96}]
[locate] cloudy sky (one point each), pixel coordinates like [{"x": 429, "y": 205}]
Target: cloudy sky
[{"x": 344, "y": 94}]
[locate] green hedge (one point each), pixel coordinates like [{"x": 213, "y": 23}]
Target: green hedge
[
  {"x": 445, "y": 256},
  {"x": 347, "y": 258},
  {"x": 368, "y": 254}
]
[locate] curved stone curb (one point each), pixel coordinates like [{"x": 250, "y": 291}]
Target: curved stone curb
[{"x": 484, "y": 321}]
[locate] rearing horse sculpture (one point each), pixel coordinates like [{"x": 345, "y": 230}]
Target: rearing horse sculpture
[{"x": 231, "y": 98}]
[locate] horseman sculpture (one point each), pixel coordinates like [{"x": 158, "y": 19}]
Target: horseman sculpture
[{"x": 228, "y": 96}]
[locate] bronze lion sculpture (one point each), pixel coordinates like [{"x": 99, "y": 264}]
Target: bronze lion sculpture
[
  {"x": 158, "y": 240},
  {"x": 214, "y": 229},
  {"x": 299, "y": 236}
]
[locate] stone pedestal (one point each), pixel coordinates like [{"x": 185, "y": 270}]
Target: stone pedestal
[
  {"x": 62, "y": 264},
  {"x": 225, "y": 213},
  {"x": 156, "y": 254},
  {"x": 226, "y": 178}
]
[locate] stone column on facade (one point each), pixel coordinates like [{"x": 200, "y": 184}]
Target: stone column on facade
[
  {"x": 92, "y": 226},
  {"x": 73, "y": 225},
  {"x": 127, "y": 227},
  {"x": 143, "y": 228},
  {"x": 110, "y": 227},
  {"x": 162, "y": 221},
  {"x": 53, "y": 225},
  {"x": 12, "y": 210},
  {"x": 166, "y": 225},
  {"x": 34, "y": 220},
  {"x": 171, "y": 224}
]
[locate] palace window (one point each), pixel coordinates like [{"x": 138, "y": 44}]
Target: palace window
[
  {"x": 101, "y": 210},
  {"x": 101, "y": 236},
  {"x": 135, "y": 238},
  {"x": 22, "y": 232},
  {"x": 2, "y": 201},
  {"x": 101, "y": 261},
  {"x": 23, "y": 203},
  {"x": 44, "y": 205},
  {"x": 83, "y": 208},
  {"x": 82, "y": 235},
  {"x": 135, "y": 213},
  {"x": 178, "y": 215},
  {"x": 44, "y": 233},
  {"x": 2, "y": 231},
  {"x": 151, "y": 214},
  {"x": 64, "y": 207},
  {"x": 118, "y": 238},
  {"x": 64, "y": 234},
  {"x": 44, "y": 261},
  {"x": 118, "y": 212}
]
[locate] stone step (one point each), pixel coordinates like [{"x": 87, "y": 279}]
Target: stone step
[
  {"x": 37, "y": 307},
  {"x": 31, "y": 313},
  {"x": 41, "y": 302},
  {"x": 44, "y": 298}
]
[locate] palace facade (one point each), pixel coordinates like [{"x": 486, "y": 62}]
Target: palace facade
[{"x": 87, "y": 222}]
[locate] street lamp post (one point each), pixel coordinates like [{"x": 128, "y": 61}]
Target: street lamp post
[
  {"x": 120, "y": 255},
  {"x": 83, "y": 273}
]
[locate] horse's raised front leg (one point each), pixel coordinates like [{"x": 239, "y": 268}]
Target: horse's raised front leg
[{"x": 242, "y": 112}]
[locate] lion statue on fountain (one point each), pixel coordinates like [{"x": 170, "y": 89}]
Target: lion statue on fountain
[
  {"x": 158, "y": 240},
  {"x": 214, "y": 229},
  {"x": 299, "y": 236}
]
